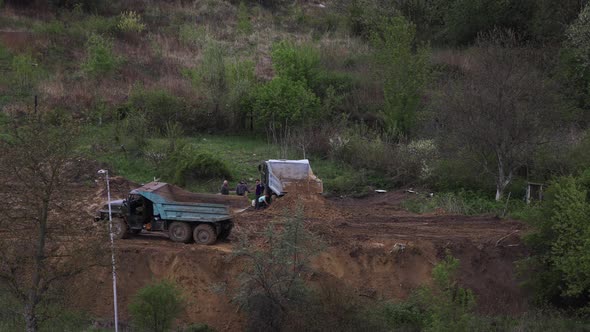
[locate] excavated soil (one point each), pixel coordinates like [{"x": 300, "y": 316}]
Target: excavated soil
[{"x": 373, "y": 247}]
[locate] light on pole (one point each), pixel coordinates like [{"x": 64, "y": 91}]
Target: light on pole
[{"x": 106, "y": 173}]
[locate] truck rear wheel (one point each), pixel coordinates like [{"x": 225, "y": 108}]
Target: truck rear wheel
[
  {"x": 204, "y": 234},
  {"x": 179, "y": 232},
  {"x": 120, "y": 228}
]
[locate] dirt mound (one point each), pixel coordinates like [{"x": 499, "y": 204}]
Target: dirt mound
[{"x": 314, "y": 207}]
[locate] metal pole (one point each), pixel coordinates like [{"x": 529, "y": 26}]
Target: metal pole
[{"x": 112, "y": 253}]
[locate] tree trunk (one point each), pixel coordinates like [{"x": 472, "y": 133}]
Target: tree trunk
[
  {"x": 502, "y": 181},
  {"x": 33, "y": 296},
  {"x": 30, "y": 318}
]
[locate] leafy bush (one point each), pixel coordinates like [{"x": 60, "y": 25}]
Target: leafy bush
[
  {"x": 155, "y": 306},
  {"x": 130, "y": 22},
  {"x": 188, "y": 164},
  {"x": 100, "y": 57},
  {"x": 298, "y": 63}
]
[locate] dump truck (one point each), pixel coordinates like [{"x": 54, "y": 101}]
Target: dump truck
[
  {"x": 281, "y": 176},
  {"x": 184, "y": 215}
]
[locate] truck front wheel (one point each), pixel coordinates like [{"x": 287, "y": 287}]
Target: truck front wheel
[
  {"x": 204, "y": 234},
  {"x": 179, "y": 232},
  {"x": 120, "y": 228}
]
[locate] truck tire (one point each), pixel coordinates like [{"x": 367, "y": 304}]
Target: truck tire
[
  {"x": 225, "y": 231},
  {"x": 205, "y": 234},
  {"x": 120, "y": 228},
  {"x": 179, "y": 232}
]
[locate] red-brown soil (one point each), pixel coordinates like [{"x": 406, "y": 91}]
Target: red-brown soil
[{"x": 373, "y": 247}]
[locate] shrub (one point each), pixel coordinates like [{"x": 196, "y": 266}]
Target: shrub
[
  {"x": 188, "y": 164},
  {"x": 155, "y": 306},
  {"x": 100, "y": 58},
  {"x": 158, "y": 106},
  {"x": 449, "y": 307},
  {"x": 130, "y": 22},
  {"x": 298, "y": 63},
  {"x": 443, "y": 306}
]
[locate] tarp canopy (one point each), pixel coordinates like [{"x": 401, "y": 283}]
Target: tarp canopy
[{"x": 292, "y": 176}]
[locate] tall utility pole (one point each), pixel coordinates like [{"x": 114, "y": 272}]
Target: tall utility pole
[{"x": 106, "y": 172}]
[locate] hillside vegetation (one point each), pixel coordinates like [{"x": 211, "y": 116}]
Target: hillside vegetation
[{"x": 471, "y": 99}]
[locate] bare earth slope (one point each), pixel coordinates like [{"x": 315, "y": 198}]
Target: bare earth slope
[{"x": 374, "y": 248}]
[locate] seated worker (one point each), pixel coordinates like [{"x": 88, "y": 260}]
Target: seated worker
[{"x": 264, "y": 201}]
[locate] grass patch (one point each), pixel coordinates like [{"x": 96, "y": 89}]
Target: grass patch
[
  {"x": 461, "y": 202},
  {"x": 241, "y": 156}
]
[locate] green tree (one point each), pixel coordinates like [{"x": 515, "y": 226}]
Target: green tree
[
  {"x": 156, "y": 305},
  {"x": 211, "y": 77},
  {"x": 282, "y": 106},
  {"x": 576, "y": 60},
  {"x": 559, "y": 266},
  {"x": 241, "y": 80},
  {"x": 404, "y": 67},
  {"x": 570, "y": 249}
]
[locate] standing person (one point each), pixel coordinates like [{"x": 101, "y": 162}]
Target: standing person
[
  {"x": 224, "y": 188},
  {"x": 259, "y": 192},
  {"x": 242, "y": 188}
]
